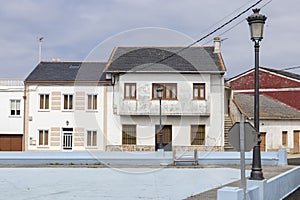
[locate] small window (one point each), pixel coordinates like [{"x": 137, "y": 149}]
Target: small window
[
  {"x": 128, "y": 134},
  {"x": 92, "y": 102},
  {"x": 169, "y": 90},
  {"x": 15, "y": 107},
  {"x": 44, "y": 101},
  {"x": 43, "y": 137},
  {"x": 68, "y": 101},
  {"x": 198, "y": 135},
  {"x": 284, "y": 138},
  {"x": 130, "y": 91},
  {"x": 199, "y": 91},
  {"x": 91, "y": 139}
]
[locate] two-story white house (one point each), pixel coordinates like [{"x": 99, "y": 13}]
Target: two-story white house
[
  {"x": 192, "y": 100},
  {"x": 64, "y": 107},
  {"x": 11, "y": 117}
]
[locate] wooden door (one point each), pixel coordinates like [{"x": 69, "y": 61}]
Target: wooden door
[
  {"x": 296, "y": 142},
  {"x": 166, "y": 137},
  {"x": 263, "y": 142}
]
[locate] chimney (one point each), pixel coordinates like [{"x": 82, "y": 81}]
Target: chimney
[{"x": 217, "y": 44}]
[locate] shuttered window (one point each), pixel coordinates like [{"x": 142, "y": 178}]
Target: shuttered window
[
  {"x": 44, "y": 101},
  {"x": 284, "y": 138},
  {"x": 197, "y": 134},
  {"x": 91, "y": 138},
  {"x": 43, "y": 137},
  {"x": 92, "y": 102},
  {"x": 68, "y": 101},
  {"x": 128, "y": 134}
]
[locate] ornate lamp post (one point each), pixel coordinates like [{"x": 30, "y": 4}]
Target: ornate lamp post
[
  {"x": 256, "y": 22},
  {"x": 159, "y": 91}
]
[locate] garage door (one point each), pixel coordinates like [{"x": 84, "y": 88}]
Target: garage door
[{"x": 10, "y": 142}]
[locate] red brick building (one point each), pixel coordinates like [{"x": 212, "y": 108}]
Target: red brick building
[
  {"x": 276, "y": 84},
  {"x": 279, "y": 106}
]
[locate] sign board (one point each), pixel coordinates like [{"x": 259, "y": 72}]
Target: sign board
[{"x": 250, "y": 136}]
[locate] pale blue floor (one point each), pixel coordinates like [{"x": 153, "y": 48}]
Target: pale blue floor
[{"x": 111, "y": 183}]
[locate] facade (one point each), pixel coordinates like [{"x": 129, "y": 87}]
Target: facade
[
  {"x": 64, "y": 108},
  {"x": 279, "y": 108},
  {"x": 192, "y": 102},
  {"x": 12, "y": 109}
]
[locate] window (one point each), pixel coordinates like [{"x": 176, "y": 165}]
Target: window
[
  {"x": 43, "y": 137},
  {"x": 169, "y": 90},
  {"x": 199, "y": 91},
  {"x": 92, "y": 102},
  {"x": 91, "y": 139},
  {"x": 15, "y": 107},
  {"x": 198, "y": 135},
  {"x": 284, "y": 138},
  {"x": 68, "y": 101},
  {"x": 44, "y": 101},
  {"x": 130, "y": 91},
  {"x": 128, "y": 134}
]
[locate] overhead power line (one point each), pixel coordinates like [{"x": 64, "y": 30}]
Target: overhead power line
[{"x": 212, "y": 32}]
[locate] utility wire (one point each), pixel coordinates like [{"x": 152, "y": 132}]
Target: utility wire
[
  {"x": 212, "y": 32},
  {"x": 226, "y": 16}
]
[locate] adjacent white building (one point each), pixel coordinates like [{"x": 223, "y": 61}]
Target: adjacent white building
[
  {"x": 64, "y": 109},
  {"x": 11, "y": 117}
]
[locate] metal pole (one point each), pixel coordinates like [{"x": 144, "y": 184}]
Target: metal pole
[
  {"x": 242, "y": 155},
  {"x": 160, "y": 128},
  {"x": 256, "y": 173}
]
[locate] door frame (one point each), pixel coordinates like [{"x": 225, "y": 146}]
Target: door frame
[{"x": 67, "y": 131}]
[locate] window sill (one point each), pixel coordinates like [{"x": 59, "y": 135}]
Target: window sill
[
  {"x": 91, "y": 147},
  {"x": 91, "y": 111},
  {"x": 43, "y": 147},
  {"x": 44, "y": 110},
  {"x": 15, "y": 116},
  {"x": 67, "y": 110},
  {"x": 199, "y": 100}
]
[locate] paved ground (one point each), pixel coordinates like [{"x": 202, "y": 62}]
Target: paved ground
[{"x": 110, "y": 183}]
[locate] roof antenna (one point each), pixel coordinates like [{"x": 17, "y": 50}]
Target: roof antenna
[{"x": 40, "y": 40}]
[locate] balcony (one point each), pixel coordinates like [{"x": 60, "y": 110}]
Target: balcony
[{"x": 169, "y": 107}]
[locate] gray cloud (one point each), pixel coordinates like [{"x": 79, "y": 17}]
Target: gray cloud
[{"x": 73, "y": 28}]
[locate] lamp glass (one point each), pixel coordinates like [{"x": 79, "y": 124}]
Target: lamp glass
[{"x": 159, "y": 92}]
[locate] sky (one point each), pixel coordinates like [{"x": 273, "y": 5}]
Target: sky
[{"x": 88, "y": 30}]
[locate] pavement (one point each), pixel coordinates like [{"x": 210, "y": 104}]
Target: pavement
[{"x": 110, "y": 183}]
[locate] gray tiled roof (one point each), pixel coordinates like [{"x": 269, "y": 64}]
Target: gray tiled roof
[
  {"x": 193, "y": 59},
  {"x": 269, "y": 108},
  {"x": 284, "y": 73},
  {"x": 68, "y": 71}
]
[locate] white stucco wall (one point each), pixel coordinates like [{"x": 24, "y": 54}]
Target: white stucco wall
[
  {"x": 41, "y": 119},
  {"x": 273, "y": 130},
  {"x": 181, "y": 113},
  {"x": 11, "y": 124}
]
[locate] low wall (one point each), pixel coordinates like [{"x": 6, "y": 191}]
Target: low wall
[
  {"x": 134, "y": 158},
  {"x": 277, "y": 187}
]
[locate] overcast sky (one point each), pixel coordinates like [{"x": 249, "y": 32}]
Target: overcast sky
[{"x": 84, "y": 30}]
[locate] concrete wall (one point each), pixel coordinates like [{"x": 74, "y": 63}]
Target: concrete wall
[
  {"x": 11, "y": 90},
  {"x": 277, "y": 187},
  {"x": 81, "y": 120}
]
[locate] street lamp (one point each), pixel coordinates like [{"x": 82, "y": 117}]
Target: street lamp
[
  {"x": 159, "y": 91},
  {"x": 256, "y": 22}
]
